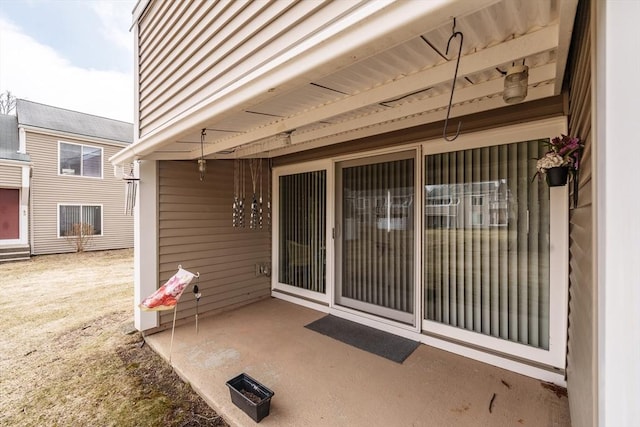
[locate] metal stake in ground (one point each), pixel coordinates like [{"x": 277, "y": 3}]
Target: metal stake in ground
[
  {"x": 173, "y": 329},
  {"x": 197, "y": 294},
  {"x": 167, "y": 296}
]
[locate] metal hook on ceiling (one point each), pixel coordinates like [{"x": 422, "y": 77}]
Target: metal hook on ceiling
[{"x": 453, "y": 84}]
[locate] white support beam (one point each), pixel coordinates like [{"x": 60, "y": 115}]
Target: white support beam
[
  {"x": 169, "y": 154},
  {"x": 145, "y": 247},
  {"x": 416, "y": 120},
  {"x": 530, "y": 44},
  {"x": 473, "y": 92}
]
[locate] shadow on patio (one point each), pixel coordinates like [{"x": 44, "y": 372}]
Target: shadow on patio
[{"x": 319, "y": 381}]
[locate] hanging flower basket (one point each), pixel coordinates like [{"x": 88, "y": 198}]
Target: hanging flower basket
[
  {"x": 557, "y": 176},
  {"x": 561, "y": 161}
]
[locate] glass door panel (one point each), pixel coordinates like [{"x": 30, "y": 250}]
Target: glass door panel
[
  {"x": 486, "y": 243},
  {"x": 375, "y": 244},
  {"x": 302, "y": 230}
]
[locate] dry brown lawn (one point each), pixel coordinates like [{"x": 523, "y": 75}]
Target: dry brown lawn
[{"x": 69, "y": 354}]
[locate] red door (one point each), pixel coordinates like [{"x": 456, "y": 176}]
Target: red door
[{"x": 9, "y": 214}]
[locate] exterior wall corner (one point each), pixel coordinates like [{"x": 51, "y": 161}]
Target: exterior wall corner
[{"x": 146, "y": 242}]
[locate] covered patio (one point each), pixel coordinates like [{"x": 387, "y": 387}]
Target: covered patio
[{"x": 321, "y": 381}]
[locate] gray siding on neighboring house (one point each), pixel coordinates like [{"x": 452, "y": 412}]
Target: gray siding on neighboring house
[
  {"x": 190, "y": 51},
  {"x": 48, "y": 189},
  {"x": 11, "y": 161},
  {"x": 10, "y": 176},
  {"x": 582, "y": 345},
  {"x": 195, "y": 231}
]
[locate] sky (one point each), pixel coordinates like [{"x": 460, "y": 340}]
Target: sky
[{"x": 73, "y": 54}]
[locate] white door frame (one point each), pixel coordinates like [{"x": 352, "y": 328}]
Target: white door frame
[
  {"x": 276, "y": 285},
  {"x": 403, "y": 320},
  {"x": 558, "y": 251},
  {"x": 547, "y": 365}
]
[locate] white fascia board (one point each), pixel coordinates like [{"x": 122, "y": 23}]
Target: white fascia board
[
  {"x": 75, "y": 136},
  {"x": 138, "y": 10},
  {"x": 374, "y": 27}
]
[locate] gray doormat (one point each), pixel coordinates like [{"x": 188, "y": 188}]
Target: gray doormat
[{"x": 374, "y": 341}]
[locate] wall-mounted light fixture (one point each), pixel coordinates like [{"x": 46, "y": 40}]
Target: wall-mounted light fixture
[
  {"x": 515, "y": 84},
  {"x": 202, "y": 163}
]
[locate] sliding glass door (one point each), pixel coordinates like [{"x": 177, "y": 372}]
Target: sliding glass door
[
  {"x": 486, "y": 243},
  {"x": 301, "y": 207},
  {"x": 375, "y": 235}
]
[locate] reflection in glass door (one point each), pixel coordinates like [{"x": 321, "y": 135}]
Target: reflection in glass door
[
  {"x": 375, "y": 241},
  {"x": 486, "y": 243}
]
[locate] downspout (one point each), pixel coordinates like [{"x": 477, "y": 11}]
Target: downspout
[
  {"x": 30, "y": 207},
  {"x": 22, "y": 137}
]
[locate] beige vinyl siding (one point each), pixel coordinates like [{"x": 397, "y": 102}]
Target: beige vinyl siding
[
  {"x": 10, "y": 176},
  {"x": 48, "y": 190},
  {"x": 582, "y": 346},
  {"x": 195, "y": 231},
  {"x": 191, "y": 50}
]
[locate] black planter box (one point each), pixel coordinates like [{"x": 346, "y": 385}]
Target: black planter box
[{"x": 243, "y": 385}]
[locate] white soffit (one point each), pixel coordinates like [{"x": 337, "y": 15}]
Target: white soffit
[{"x": 413, "y": 78}]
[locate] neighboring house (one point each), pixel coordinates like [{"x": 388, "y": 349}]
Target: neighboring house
[
  {"x": 346, "y": 102},
  {"x": 15, "y": 166},
  {"x": 71, "y": 182}
]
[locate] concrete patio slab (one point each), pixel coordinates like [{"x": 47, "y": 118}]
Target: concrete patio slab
[{"x": 319, "y": 381}]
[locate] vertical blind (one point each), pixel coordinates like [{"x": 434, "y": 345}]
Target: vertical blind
[
  {"x": 486, "y": 242},
  {"x": 378, "y": 237},
  {"x": 302, "y": 230},
  {"x": 71, "y": 217}
]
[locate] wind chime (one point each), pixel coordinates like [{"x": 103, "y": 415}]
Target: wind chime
[
  {"x": 238, "y": 194},
  {"x": 268, "y": 195},
  {"x": 256, "y": 203},
  {"x": 202, "y": 163},
  {"x": 130, "y": 191},
  {"x": 257, "y": 207}
]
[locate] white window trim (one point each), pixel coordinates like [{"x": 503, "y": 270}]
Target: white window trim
[
  {"x": 81, "y": 205},
  {"x": 60, "y": 142},
  {"x": 558, "y": 250},
  {"x": 276, "y": 285},
  {"x": 344, "y": 310},
  {"x": 547, "y": 365}
]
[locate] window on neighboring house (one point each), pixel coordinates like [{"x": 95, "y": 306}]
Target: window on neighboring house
[
  {"x": 76, "y": 219},
  {"x": 80, "y": 160}
]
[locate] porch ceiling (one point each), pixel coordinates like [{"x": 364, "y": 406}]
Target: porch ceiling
[{"x": 406, "y": 85}]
